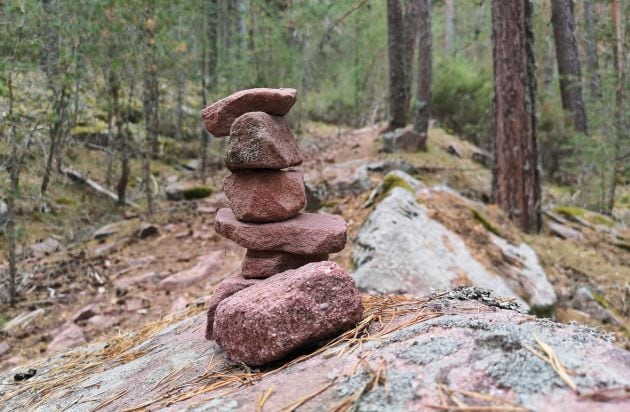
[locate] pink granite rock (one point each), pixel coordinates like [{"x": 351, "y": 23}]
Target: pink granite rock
[
  {"x": 65, "y": 337},
  {"x": 262, "y": 264},
  {"x": 218, "y": 117},
  {"x": 265, "y": 195},
  {"x": 305, "y": 234},
  {"x": 261, "y": 141},
  {"x": 286, "y": 312},
  {"x": 224, "y": 290},
  {"x": 202, "y": 271}
]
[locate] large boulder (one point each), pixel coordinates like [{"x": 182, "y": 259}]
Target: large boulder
[
  {"x": 406, "y": 354},
  {"x": 219, "y": 116},
  {"x": 405, "y": 140},
  {"x": 401, "y": 249},
  {"x": 265, "y": 195},
  {"x": 305, "y": 234},
  {"x": 286, "y": 312},
  {"x": 261, "y": 141}
]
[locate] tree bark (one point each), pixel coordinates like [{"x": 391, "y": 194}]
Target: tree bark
[
  {"x": 568, "y": 62},
  {"x": 422, "y": 107},
  {"x": 14, "y": 171},
  {"x": 150, "y": 105},
  {"x": 620, "y": 110},
  {"x": 213, "y": 26},
  {"x": 410, "y": 36},
  {"x": 590, "y": 43},
  {"x": 516, "y": 179},
  {"x": 449, "y": 31},
  {"x": 395, "y": 45}
]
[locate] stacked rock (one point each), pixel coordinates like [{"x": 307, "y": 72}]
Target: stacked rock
[{"x": 266, "y": 197}]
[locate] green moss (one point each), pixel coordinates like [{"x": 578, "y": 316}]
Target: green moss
[
  {"x": 64, "y": 200},
  {"x": 485, "y": 222},
  {"x": 542, "y": 311},
  {"x": 3, "y": 320},
  {"x": 391, "y": 181},
  {"x": 84, "y": 130},
  {"x": 197, "y": 192},
  {"x": 576, "y": 213}
]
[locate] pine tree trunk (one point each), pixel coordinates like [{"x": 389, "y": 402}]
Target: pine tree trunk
[
  {"x": 14, "y": 165},
  {"x": 422, "y": 107},
  {"x": 410, "y": 36},
  {"x": 516, "y": 180},
  {"x": 150, "y": 106},
  {"x": 395, "y": 45},
  {"x": 590, "y": 43},
  {"x": 449, "y": 31},
  {"x": 568, "y": 62},
  {"x": 620, "y": 109},
  {"x": 213, "y": 26}
]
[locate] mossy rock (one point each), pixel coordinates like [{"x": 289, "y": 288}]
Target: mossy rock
[
  {"x": 64, "y": 200},
  {"x": 485, "y": 222},
  {"x": 580, "y": 215},
  {"x": 391, "y": 181},
  {"x": 196, "y": 192},
  {"x": 178, "y": 191}
]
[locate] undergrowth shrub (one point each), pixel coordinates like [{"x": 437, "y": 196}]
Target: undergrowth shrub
[{"x": 462, "y": 100}]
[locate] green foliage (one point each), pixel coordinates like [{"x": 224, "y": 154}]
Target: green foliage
[
  {"x": 197, "y": 192},
  {"x": 462, "y": 99}
]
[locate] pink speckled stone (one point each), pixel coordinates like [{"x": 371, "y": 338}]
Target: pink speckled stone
[
  {"x": 265, "y": 195},
  {"x": 261, "y": 141},
  {"x": 224, "y": 290},
  {"x": 287, "y": 311}
]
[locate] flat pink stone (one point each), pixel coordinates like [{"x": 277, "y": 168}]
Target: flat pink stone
[
  {"x": 219, "y": 116},
  {"x": 305, "y": 234}
]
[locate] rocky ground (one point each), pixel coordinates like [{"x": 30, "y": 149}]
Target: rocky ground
[
  {"x": 462, "y": 350},
  {"x": 131, "y": 274}
]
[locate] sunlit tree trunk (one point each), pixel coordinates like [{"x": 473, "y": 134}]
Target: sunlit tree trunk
[
  {"x": 516, "y": 180},
  {"x": 422, "y": 106},
  {"x": 395, "y": 46},
  {"x": 568, "y": 59},
  {"x": 410, "y": 36}
]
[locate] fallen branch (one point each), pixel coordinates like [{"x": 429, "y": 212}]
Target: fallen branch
[{"x": 79, "y": 178}]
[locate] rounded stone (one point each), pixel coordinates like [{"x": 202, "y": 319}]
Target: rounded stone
[
  {"x": 265, "y": 195},
  {"x": 261, "y": 141}
]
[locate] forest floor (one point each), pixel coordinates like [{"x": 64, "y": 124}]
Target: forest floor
[{"x": 89, "y": 271}]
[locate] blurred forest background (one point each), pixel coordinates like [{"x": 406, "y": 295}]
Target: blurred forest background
[{"x": 107, "y": 93}]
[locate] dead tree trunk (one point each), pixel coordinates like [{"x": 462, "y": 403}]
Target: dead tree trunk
[
  {"x": 568, "y": 62},
  {"x": 422, "y": 107},
  {"x": 395, "y": 45},
  {"x": 590, "y": 43},
  {"x": 516, "y": 180}
]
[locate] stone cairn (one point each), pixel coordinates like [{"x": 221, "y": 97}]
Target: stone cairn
[{"x": 288, "y": 295}]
